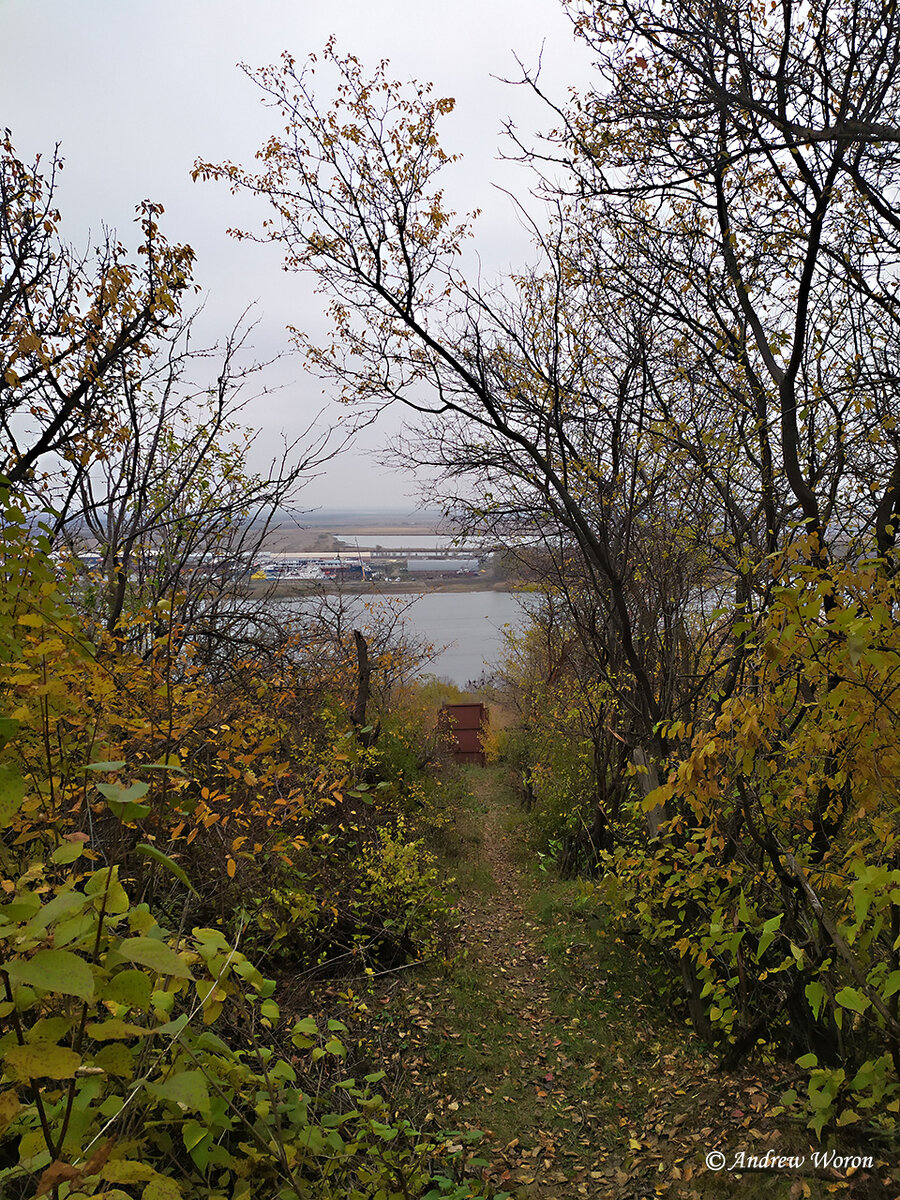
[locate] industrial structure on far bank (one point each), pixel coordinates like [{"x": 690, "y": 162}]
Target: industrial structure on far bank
[{"x": 378, "y": 563}]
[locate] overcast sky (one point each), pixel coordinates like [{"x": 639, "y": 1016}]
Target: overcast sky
[{"x": 136, "y": 90}]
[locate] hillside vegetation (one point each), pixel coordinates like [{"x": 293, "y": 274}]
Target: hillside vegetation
[{"x": 233, "y": 962}]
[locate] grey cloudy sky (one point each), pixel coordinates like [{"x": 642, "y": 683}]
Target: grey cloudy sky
[{"x": 135, "y": 90}]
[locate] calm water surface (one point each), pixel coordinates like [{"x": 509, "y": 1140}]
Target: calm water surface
[{"x": 469, "y": 624}]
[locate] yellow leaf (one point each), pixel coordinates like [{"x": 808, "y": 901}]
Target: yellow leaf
[{"x": 35, "y": 620}]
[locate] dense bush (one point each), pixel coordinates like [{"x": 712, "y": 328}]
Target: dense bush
[
  {"x": 771, "y": 879},
  {"x": 159, "y": 833}
]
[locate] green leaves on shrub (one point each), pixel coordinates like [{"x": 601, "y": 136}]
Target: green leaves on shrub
[{"x": 55, "y": 971}]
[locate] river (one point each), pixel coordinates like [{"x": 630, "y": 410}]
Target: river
[{"x": 469, "y": 624}]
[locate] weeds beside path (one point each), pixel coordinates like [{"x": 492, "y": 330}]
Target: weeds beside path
[{"x": 549, "y": 1035}]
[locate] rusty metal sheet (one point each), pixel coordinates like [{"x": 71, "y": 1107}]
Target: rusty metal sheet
[
  {"x": 468, "y": 740},
  {"x": 466, "y": 716},
  {"x": 465, "y": 723}
]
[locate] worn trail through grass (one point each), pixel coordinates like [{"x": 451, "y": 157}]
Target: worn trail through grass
[{"x": 550, "y": 1034}]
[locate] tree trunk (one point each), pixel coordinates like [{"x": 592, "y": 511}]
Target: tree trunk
[{"x": 363, "y": 687}]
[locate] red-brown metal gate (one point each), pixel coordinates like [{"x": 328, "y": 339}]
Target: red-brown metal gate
[{"x": 465, "y": 724}]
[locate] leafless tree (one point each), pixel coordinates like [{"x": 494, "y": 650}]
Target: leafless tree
[
  {"x": 171, "y": 510},
  {"x": 704, "y": 345}
]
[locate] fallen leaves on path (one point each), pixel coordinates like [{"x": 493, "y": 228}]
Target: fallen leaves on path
[{"x": 544, "y": 1038}]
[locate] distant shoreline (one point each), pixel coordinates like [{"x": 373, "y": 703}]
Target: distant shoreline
[
  {"x": 342, "y": 534},
  {"x": 280, "y": 589}
]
